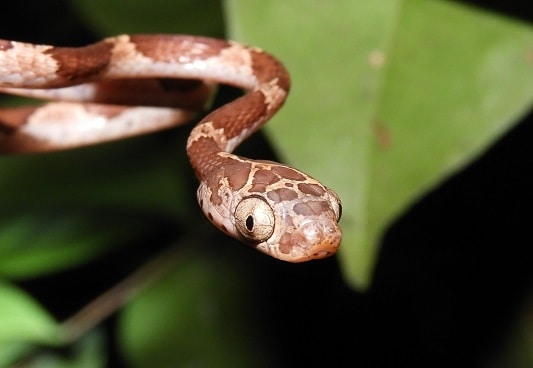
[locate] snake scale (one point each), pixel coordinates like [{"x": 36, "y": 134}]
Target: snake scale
[{"x": 134, "y": 84}]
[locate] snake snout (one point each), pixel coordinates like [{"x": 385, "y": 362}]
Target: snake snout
[
  {"x": 322, "y": 238},
  {"x": 315, "y": 238}
]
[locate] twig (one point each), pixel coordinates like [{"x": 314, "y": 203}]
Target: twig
[{"x": 116, "y": 297}]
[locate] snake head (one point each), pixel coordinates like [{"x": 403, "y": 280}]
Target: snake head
[
  {"x": 277, "y": 209},
  {"x": 297, "y": 230}
]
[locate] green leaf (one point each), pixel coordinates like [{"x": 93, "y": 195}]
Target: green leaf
[
  {"x": 199, "y": 315},
  {"x": 23, "y": 320},
  {"x": 11, "y": 351},
  {"x": 388, "y": 98},
  {"x": 36, "y": 242},
  {"x": 86, "y": 353}
]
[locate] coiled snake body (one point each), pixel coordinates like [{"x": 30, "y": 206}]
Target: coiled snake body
[{"x": 122, "y": 86}]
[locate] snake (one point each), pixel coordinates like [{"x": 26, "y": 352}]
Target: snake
[{"x": 129, "y": 85}]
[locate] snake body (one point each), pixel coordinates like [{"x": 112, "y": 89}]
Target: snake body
[{"x": 120, "y": 87}]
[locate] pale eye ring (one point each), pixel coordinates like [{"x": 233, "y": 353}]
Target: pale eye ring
[
  {"x": 336, "y": 203},
  {"x": 254, "y": 219}
]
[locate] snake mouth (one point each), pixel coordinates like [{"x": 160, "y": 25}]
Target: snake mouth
[
  {"x": 326, "y": 249},
  {"x": 308, "y": 256},
  {"x": 322, "y": 254}
]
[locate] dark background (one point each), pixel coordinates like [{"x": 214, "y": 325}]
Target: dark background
[{"x": 454, "y": 274}]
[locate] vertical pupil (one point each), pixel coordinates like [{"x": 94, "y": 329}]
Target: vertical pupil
[{"x": 250, "y": 223}]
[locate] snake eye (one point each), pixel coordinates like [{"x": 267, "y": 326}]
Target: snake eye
[
  {"x": 254, "y": 219},
  {"x": 336, "y": 203}
]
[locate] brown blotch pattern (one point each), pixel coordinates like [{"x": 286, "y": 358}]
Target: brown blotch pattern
[
  {"x": 285, "y": 242},
  {"x": 78, "y": 64},
  {"x": 213, "y": 184},
  {"x": 282, "y": 194},
  {"x": 262, "y": 179},
  {"x": 265, "y": 177},
  {"x": 178, "y": 48},
  {"x": 212, "y": 169},
  {"x": 311, "y": 189},
  {"x": 289, "y": 221},
  {"x": 310, "y": 208},
  {"x": 288, "y": 173},
  {"x": 239, "y": 175}
]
